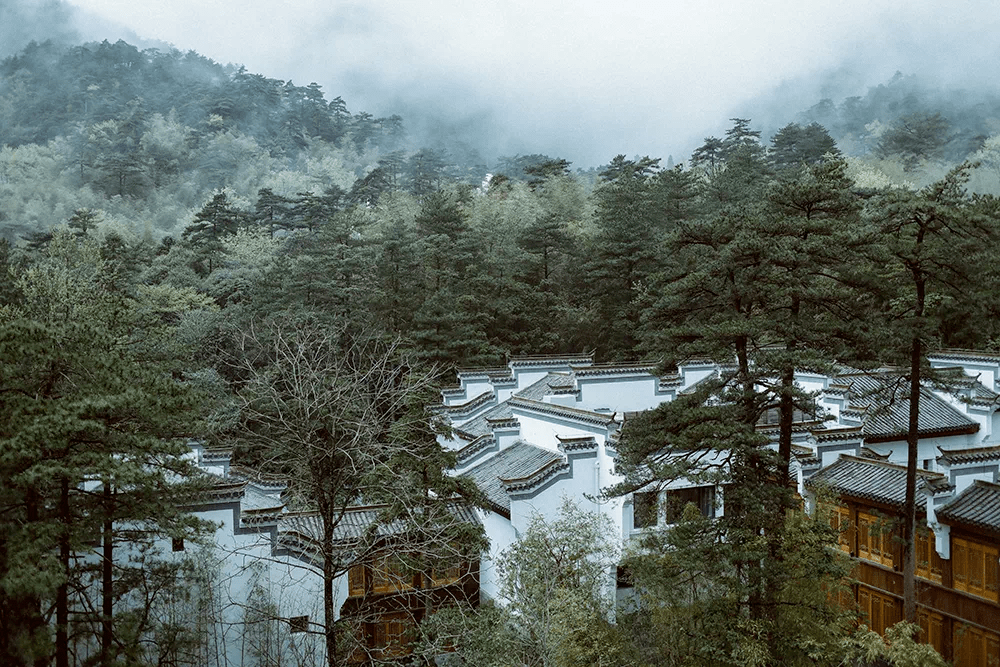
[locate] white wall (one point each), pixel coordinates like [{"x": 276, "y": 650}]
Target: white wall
[
  {"x": 542, "y": 430},
  {"x": 619, "y": 394},
  {"x": 502, "y": 534},
  {"x": 927, "y": 448}
]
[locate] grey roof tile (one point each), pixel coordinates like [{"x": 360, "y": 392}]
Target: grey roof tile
[
  {"x": 978, "y": 505},
  {"x": 886, "y": 401},
  {"x": 969, "y": 455},
  {"x": 867, "y": 479},
  {"x": 519, "y": 460},
  {"x": 355, "y": 523},
  {"x": 481, "y": 424},
  {"x": 538, "y": 390}
]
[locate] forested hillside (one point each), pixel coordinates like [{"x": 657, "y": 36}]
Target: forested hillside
[
  {"x": 169, "y": 224},
  {"x": 266, "y": 196}
]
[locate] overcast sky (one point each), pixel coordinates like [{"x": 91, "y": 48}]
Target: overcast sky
[{"x": 581, "y": 79}]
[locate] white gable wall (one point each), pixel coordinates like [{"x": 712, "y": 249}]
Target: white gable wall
[
  {"x": 619, "y": 394},
  {"x": 927, "y": 448},
  {"x": 543, "y": 430}
]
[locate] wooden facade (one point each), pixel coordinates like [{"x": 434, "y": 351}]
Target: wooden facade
[
  {"x": 388, "y": 597},
  {"x": 957, "y": 601}
]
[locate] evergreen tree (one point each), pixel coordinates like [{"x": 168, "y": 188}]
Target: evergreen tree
[
  {"x": 929, "y": 247},
  {"x": 213, "y": 223},
  {"x": 624, "y": 251},
  {"x": 795, "y": 145},
  {"x": 88, "y": 399},
  {"x": 272, "y": 210},
  {"x": 914, "y": 138}
]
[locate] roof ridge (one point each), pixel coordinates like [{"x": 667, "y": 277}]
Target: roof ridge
[{"x": 928, "y": 474}]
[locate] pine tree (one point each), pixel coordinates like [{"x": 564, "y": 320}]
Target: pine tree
[
  {"x": 214, "y": 222},
  {"x": 85, "y": 400},
  {"x": 928, "y": 248}
]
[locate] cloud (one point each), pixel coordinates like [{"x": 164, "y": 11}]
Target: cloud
[{"x": 583, "y": 80}]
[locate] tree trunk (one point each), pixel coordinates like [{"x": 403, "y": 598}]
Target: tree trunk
[
  {"x": 912, "y": 440},
  {"x": 329, "y": 622},
  {"x": 62, "y": 595},
  {"x": 910, "y": 502},
  {"x": 107, "y": 579}
]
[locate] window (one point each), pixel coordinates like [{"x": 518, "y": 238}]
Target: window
[
  {"x": 928, "y": 561},
  {"x": 874, "y": 539},
  {"x": 975, "y": 647},
  {"x": 356, "y": 581},
  {"x": 177, "y": 544},
  {"x": 840, "y": 521},
  {"x": 391, "y": 575},
  {"x": 974, "y": 568},
  {"x": 702, "y": 497},
  {"x": 298, "y": 624},
  {"x": 391, "y": 635},
  {"x": 931, "y": 629},
  {"x": 644, "y": 509},
  {"x": 879, "y": 610},
  {"x": 442, "y": 576}
]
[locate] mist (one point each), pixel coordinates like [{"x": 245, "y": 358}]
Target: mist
[{"x": 583, "y": 82}]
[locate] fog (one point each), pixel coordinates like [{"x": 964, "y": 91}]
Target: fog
[{"x": 583, "y": 80}]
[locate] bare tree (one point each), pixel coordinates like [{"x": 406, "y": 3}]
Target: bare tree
[{"x": 334, "y": 413}]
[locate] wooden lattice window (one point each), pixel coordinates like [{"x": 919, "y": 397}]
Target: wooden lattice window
[
  {"x": 391, "y": 575},
  {"x": 443, "y": 576},
  {"x": 974, "y": 568},
  {"x": 840, "y": 521},
  {"x": 931, "y": 629},
  {"x": 356, "y": 581},
  {"x": 928, "y": 561},
  {"x": 880, "y": 611},
  {"x": 874, "y": 539},
  {"x": 974, "y": 646},
  {"x": 391, "y": 635}
]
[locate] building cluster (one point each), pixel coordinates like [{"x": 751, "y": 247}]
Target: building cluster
[{"x": 541, "y": 429}]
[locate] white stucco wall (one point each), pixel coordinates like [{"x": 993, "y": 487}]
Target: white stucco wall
[
  {"x": 927, "y": 448},
  {"x": 502, "y": 534},
  {"x": 543, "y": 430},
  {"x": 619, "y": 394}
]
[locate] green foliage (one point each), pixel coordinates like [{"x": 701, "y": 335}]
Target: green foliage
[
  {"x": 556, "y": 587},
  {"x": 794, "y": 145},
  {"x": 93, "y": 416},
  {"x": 914, "y": 138}
]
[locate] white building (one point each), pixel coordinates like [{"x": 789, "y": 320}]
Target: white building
[{"x": 544, "y": 428}]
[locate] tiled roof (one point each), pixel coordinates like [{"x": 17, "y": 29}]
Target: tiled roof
[
  {"x": 469, "y": 406},
  {"x": 482, "y": 372},
  {"x": 356, "y": 523},
  {"x": 481, "y": 424},
  {"x": 970, "y": 455},
  {"x": 481, "y": 444},
  {"x": 885, "y": 399},
  {"x": 519, "y": 460},
  {"x": 971, "y": 355},
  {"x": 646, "y": 367},
  {"x": 209, "y": 456},
  {"x": 543, "y": 387},
  {"x": 551, "y": 360},
  {"x": 838, "y": 433},
  {"x": 978, "y": 505},
  {"x": 865, "y": 479},
  {"x": 255, "y": 499},
  {"x": 260, "y": 479},
  {"x": 586, "y": 416}
]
